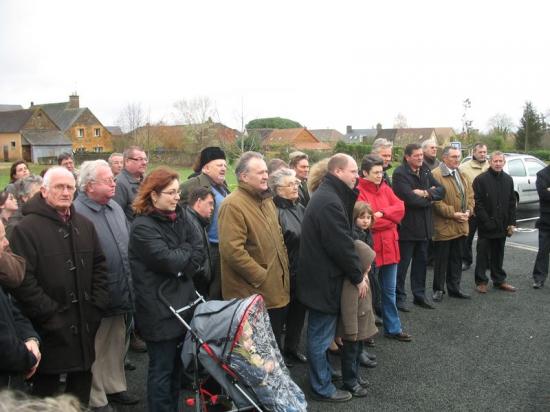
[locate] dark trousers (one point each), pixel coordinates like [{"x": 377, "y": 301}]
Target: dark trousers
[
  {"x": 78, "y": 384},
  {"x": 295, "y": 318},
  {"x": 277, "y": 319},
  {"x": 540, "y": 271},
  {"x": 351, "y": 352},
  {"x": 376, "y": 292},
  {"x": 164, "y": 375},
  {"x": 215, "y": 289},
  {"x": 468, "y": 257},
  {"x": 417, "y": 251},
  {"x": 448, "y": 264},
  {"x": 490, "y": 255}
]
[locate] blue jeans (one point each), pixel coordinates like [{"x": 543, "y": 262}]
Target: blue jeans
[
  {"x": 321, "y": 330},
  {"x": 387, "y": 275},
  {"x": 163, "y": 375}
]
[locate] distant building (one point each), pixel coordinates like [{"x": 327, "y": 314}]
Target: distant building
[
  {"x": 328, "y": 136},
  {"x": 404, "y": 136},
  {"x": 10, "y": 107},
  {"x": 359, "y": 135}
]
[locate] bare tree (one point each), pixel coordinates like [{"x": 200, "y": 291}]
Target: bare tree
[
  {"x": 501, "y": 124},
  {"x": 131, "y": 118},
  {"x": 400, "y": 121},
  {"x": 466, "y": 123},
  {"x": 198, "y": 114}
]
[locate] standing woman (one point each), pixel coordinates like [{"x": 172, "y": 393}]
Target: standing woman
[
  {"x": 160, "y": 250},
  {"x": 8, "y": 206},
  {"x": 18, "y": 171},
  {"x": 388, "y": 211},
  {"x": 284, "y": 184}
]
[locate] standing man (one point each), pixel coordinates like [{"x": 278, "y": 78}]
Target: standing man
[
  {"x": 429, "y": 149},
  {"x": 97, "y": 188},
  {"x": 116, "y": 162},
  {"x": 252, "y": 250},
  {"x": 64, "y": 291},
  {"x": 299, "y": 162},
  {"x": 414, "y": 184},
  {"x": 495, "y": 208},
  {"x": 450, "y": 225},
  {"x": 540, "y": 271},
  {"x": 383, "y": 148},
  {"x": 472, "y": 169},
  {"x": 212, "y": 166},
  {"x": 128, "y": 181},
  {"x": 327, "y": 257}
]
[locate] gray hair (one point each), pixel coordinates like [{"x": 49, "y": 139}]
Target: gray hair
[
  {"x": 46, "y": 180},
  {"x": 88, "y": 172},
  {"x": 380, "y": 144},
  {"x": 428, "y": 142},
  {"x": 129, "y": 152},
  {"x": 447, "y": 149},
  {"x": 113, "y": 155},
  {"x": 497, "y": 153},
  {"x": 23, "y": 186},
  {"x": 243, "y": 162},
  {"x": 276, "y": 178}
]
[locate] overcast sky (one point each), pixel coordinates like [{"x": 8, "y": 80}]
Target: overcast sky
[{"x": 322, "y": 63}]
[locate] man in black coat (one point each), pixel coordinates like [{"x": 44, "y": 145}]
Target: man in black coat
[
  {"x": 65, "y": 290},
  {"x": 327, "y": 256},
  {"x": 414, "y": 184},
  {"x": 495, "y": 208},
  {"x": 540, "y": 271}
]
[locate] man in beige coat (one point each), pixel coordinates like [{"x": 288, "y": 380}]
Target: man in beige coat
[
  {"x": 451, "y": 216},
  {"x": 252, "y": 250}
]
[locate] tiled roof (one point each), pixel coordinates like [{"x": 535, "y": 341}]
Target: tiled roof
[
  {"x": 114, "y": 130},
  {"x": 327, "y": 135},
  {"x": 61, "y": 114},
  {"x": 13, "y": 121},
  {"x": 289, "y": 136},
  {"x": 45, "y": 138},
  {"x": 10, "y": 107}
]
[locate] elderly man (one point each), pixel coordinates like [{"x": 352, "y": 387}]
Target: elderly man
[
  {"x": 64, "y": 291},
  {"x": 299, "y": 162},
  {"x": 451, "y": 216},
  {"x": 495, "y": 208},
  {"x": 383, "y": 148},
  {"x": 414, "y": 184},
  {"x": 97, "y": 188},
  {"x": 116, "y": 162},
  {"x": 128, "y": 181},
  {"x": 213, "y": 166},
  {"x": 252, "y": 250},
  {"x": 472, "y": 169},
  {"x": 429, "y": 150},
  {"x": 327, "y": 257}
]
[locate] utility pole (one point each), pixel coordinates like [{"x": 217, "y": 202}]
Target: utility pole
[{"x": 526, "y": 130}]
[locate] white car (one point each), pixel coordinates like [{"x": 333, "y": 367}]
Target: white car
[{"x": 523, "y": 169}]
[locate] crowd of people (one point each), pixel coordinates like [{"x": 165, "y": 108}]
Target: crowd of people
[{"x": 84, "y": 252}]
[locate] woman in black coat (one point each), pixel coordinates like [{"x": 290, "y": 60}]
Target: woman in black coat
[
  {"x": 284, "y": 184},
  {"x": 162, "y": 252}
]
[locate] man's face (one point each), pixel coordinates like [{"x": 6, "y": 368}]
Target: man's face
[
  {"x": 480, "y": 153},
  {"x": 302, "y": 169},
  {"x": 136, "y": 164},
  {"x": 117, "y": 164},
  {"x": 452, "y": 159},
  {"x": 256, "y": 175},
  {"x": 68, "y": 164},
  {"x": 60, "y": 192},
  {"x": 102, "y": 188},
  {"x": 215, "y": 170},
  {"x": 430, "y": 150},
  {"x": 349, "y": 174},
  {"x": 415, "y": 159},
  {"x": 205, "y": 207},
  {"x": 385, "y": 154},
  {"x": 497, "y": 163}
]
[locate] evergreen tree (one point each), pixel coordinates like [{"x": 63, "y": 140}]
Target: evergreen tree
[{"x": 531, "y": 128}]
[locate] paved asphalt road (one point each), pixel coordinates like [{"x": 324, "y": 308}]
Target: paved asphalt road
[{"x": 491, "y": 353}]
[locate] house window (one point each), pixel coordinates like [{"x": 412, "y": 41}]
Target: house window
[
  {"x": 98, "y": 149},
  {"x": 97, "y": 132},
  {"x": 13, "y": 145},
  {"x": 80, "y": 132}
]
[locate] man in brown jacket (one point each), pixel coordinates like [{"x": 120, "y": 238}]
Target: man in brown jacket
[
  {"x": 252, "y": 250},
  {"x": 451, "y": 216}
]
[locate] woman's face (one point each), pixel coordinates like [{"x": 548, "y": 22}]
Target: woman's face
[
  {"x": 10, "y": 204},
  {"x": 167, "y": 199},
  {"x": 289, "y": 188},
  {"x": 375, "y": 175},
  {"x": 21, "y": 171},
  {"x": 363, "y": 221}
]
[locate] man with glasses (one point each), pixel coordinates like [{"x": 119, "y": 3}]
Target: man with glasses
[
  {"x": 64, "y": 291},
  {"x": 128, "y": 181},
  {"x": 97, "y": 188}
]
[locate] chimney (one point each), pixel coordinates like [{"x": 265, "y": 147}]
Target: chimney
[
  {"x": 74, "y": 101},
  {"x": 32, "y": 104},
  {"x": 348, "y": 129}
]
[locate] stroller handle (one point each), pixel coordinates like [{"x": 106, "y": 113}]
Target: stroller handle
[{"x": 163, "y": 299}]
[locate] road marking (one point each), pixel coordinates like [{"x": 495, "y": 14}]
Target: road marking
[{"x": 523, "y": 247}]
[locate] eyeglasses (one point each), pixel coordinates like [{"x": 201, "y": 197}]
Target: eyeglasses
[
  {"x": 62, "y": 188},
  {"x": 172, "y": 193},
  {"x": 139, "y": 159},
  {"x": 108, "y": 181},
  {"x": 292, "y": 184}
]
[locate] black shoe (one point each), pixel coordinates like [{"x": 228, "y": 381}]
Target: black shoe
[
  {"x": 357, "y": 391},
  {"x": 402, "y": 306},
  {"x": 366, "y": 362},
  {"x": 466, "y": 266},
  {"x": 296, "y": 356},
  {"x": 369, "y": 355},
  {"x": 438, "y": 296},
  {"x": 106, "y": 408},
  {"x": 378, "y": 320},
  {"x": 129, "y": 366},
  {"x": 423, "y": 304},
  {"x": 338, "y": 396},
  {"x": 363, "y": 382},
  {"x": 336, "y": 375},
  {"x": 459, "y": 295},
  {"x": 123, "y": 398},
  {"x": 537, "y": 284}
]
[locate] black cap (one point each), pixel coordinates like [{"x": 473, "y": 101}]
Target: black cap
[{"x": 210, "y": 153}]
